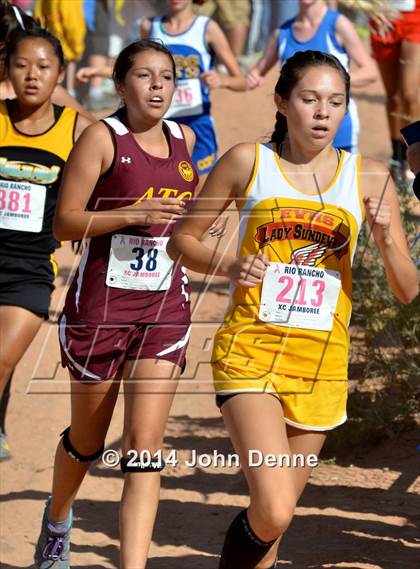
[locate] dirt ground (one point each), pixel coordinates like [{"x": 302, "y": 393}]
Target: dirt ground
[{"x": 357, "y": 513}]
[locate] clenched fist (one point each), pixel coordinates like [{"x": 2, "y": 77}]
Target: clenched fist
[
  {"x": 248, "y": 271},
  {"x": 378, "y": 215}
]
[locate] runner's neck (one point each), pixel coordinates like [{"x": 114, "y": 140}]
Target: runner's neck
[{"x": 179, "y": 22}]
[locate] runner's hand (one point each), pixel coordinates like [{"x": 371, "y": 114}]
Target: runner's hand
[
  {"x": 84, "y": 74},
  {"x": 218, "y": 229},
  {"x": 248, "y": 271},
  {"x": 212, "y": 79},
  {"x": 155, "y": 211},
  {"x": 378, "y": 214},
  {"x": 254, "y": 79}
]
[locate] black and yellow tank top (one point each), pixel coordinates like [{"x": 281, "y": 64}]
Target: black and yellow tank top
[{"x": 31, "y": 167}]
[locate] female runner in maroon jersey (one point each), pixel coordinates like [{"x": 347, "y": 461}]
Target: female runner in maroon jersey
[{"x": 127, "y": 312}]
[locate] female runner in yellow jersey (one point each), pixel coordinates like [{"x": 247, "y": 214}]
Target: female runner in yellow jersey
[{"x": 280, "y": 357}]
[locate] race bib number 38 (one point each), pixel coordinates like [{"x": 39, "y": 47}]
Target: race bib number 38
[
  {"x": 187, "y": 99},
  {"x": 22, "y": 206},
  {"x": 299, "y": 296},
  {"x": 139, "y": 263}
]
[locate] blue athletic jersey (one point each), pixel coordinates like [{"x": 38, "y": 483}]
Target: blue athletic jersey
[
  {"x": 324, "y": 40},
  {"x": 191, "y": 102},
  {"x": 192, "y": 57}
]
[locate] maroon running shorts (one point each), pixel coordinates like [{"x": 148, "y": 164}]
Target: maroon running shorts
[{"x": 96, "y": 352}]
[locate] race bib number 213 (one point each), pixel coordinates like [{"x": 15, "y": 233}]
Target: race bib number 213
[{"x": 299, "y": 296}]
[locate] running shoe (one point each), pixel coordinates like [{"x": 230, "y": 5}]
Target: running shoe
[
  {"x": 5, "y": 453},
  {"x": 53, "y": 548}
]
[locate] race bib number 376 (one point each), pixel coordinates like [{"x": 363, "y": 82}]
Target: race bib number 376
[
  {"x": 22, "y": 206},
  {"x": 139, "y": 263},
  {"x": 299, "y": 296}
]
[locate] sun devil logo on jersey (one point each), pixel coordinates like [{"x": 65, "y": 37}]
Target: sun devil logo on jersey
[
  {"x": 186, "y": 171},
  {"x": 325, "y": 233},
  {"x": 308, "y": 255}
]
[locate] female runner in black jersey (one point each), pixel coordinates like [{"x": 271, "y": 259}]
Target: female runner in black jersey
[{"x": 36, "y": 137}]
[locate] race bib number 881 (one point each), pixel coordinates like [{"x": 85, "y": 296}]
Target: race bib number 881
[
  {"x": 299, "y": 296},
  {"x": 22, "y": 206}
]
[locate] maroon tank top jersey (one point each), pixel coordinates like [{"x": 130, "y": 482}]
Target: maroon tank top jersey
[{"x": 126, "y": 276}]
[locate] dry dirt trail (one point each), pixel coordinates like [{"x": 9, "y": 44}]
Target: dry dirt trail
[{"x": 357, "y": 513}]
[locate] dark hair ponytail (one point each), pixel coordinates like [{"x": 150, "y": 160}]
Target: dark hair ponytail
[
  {"x": 280, "y": 129},
  {"x": 9, "y": 22},
  {"x": 291, "y": 73}
]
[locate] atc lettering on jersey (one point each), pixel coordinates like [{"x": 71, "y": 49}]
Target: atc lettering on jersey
[
  {"x": 164, "y": 193},
  {"x": 326, "y": 229},
  {"x": 17, "y": 170}
]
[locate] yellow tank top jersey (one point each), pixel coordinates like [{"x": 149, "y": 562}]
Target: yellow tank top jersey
[
  {"x": 30, "y": 167},
  {"x": 296, "y": 322},
  {"x": 58, "y": 139}
]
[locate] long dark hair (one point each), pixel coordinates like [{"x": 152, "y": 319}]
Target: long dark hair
[
  {"x": 291, "y": 73},
  {"x": 125, "y": 60}
]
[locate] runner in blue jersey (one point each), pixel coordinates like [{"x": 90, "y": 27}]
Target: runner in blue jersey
[
  {"x": 194, "y": 42},
  {"x": 316, "y": 27}
]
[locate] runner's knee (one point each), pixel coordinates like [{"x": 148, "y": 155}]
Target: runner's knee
[
  {"x": 82, "y": 445},
  {"x": 409, "y": 95},
  {"x": 394, "y": 101},
  {"x": 142, "y": 441},
  {"x": 273, "y": 516}
]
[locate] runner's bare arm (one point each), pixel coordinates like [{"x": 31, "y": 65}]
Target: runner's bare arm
[
  {"x": 84, "y": 74},
  {"x": 217, "y": 40},
  {"x": 189, "y": 137},
  {"x": 80, "y": 176},
  {"x": 383, "y": 215},
  {"x": 82, "y": 123},
  {"x": 144, "y": 28},
  {"x": 365, "y": 72},
  {"x": 226, "y": 183},
  {"x": 256, "y": 75}
]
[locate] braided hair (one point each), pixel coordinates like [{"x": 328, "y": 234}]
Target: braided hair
[{"x": 291, "y": 73}]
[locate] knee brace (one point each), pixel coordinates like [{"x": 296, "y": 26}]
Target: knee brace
[
  {"x": 74, "y": 453},
  {"x": 137, "y": 466},
  {"x": 242, "y": 548}
]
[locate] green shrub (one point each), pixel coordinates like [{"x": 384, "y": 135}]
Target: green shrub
[{"x": 384, "y": 357}]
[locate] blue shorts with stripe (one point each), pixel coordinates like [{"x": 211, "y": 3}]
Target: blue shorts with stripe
[
  {"x": 205, "y": 149},
  {"x": 348, "y": 132}
]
